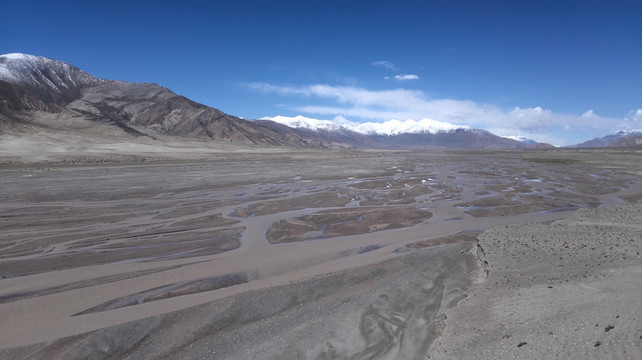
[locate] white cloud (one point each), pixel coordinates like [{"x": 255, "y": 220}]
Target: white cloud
[
  {"x": 589, "y": 114},
  {"x": 532, "y": 119},
  {"x": 359, "y": 104},
  {"x": 406, "y": 77},
  {"x": 385, "y": 64},
  {"x": 634, "y": 116},
  {"x": 632, "y": 121}
]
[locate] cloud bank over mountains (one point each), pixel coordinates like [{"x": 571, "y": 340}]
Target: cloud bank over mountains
[{"x": 363, "y": 105}]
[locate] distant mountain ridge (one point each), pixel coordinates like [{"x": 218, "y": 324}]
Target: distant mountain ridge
[
  {"x": 457, "y": 139},
  {"x": 334, "y": 134},
  {"x": 409, "y": 134},
  {"x": 616, "y": 139},
  {"x": 390, "y": 127}
]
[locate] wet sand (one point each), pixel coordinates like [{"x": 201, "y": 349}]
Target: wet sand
[{"x": 177, "y": 259}]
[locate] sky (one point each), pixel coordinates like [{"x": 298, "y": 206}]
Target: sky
[{"x": 559, "y": 71}]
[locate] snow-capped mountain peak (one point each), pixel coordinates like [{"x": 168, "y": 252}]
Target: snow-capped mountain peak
[
  {"x": 521, "y": 139},
  {"x": 627, "y": 132},
  {"x": 59, "y": 80},
  {"x": 24, "y": 69},
  {"x": 395, "y": 127},
  {"x": 390, "y": 127},
  {"x": 17, "y": 56},
  {"x": 305, "y": 123}
]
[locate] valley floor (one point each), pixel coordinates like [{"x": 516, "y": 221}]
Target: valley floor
[{"x": 274, "y": 255}]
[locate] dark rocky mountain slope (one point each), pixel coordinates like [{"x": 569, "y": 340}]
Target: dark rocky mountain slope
[{"x": 41, "y": 94}]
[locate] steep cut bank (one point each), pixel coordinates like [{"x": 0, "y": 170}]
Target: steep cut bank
[{"x": 569, "y": 290}]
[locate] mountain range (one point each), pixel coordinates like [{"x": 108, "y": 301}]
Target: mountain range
[
  {"x": 616, "y": 139},
  {"x": 408, "y": 134},
  {"x": 39, "y": 94}
]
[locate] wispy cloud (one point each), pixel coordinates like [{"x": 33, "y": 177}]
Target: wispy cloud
[
  {"x": 347, "y": 94},
  {"x": 391, "y": 66},
  {"x": 632, "y": 121},
  {"x": 406, "y": 77},
  {"x": 359, "y": 104},
  {"x": 385, "y": 64}
]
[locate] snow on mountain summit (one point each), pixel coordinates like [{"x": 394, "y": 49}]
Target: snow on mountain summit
[
  {"x": 395, "y": 127},
  {"x": 51, "y": 79},
  {"x": 390, "y": 127},
  {"x": 17, "y": 56},
  {"x": 31, "y": 70},
  {"x": 627, "y": 132},
  {"x": 305, "y": 123},
  {"x": 521, "y": 139}
]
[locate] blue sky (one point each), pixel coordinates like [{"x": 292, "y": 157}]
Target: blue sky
[{"x": 556, "y": 71}]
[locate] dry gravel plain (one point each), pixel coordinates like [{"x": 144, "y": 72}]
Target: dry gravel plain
[{"x": 265, "y": 254}]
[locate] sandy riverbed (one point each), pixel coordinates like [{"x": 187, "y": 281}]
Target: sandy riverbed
[{"x": 268, "y": 256}]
